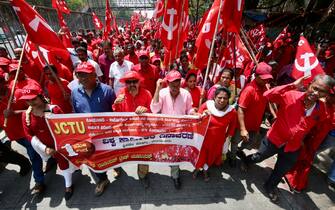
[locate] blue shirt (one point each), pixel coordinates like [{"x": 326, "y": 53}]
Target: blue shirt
[{"x": 101, "y": 99}]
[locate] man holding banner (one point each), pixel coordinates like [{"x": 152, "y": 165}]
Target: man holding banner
[
  {"x": 91, "y": 96},
  {"x": 134, "y": 98},
  {"x": 175, "y": 101}
]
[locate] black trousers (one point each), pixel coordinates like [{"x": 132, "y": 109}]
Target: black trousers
[
  {"x": 285, "y": 161},
  {"x": 9, "y": 156}
]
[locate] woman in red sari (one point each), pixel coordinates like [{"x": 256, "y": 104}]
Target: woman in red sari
[
  {"x": 221, "y": 126},
  {"x": 36, "y": 131}
]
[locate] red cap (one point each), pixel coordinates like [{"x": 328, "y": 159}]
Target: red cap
[
  {"x": 263, "y": 70},
  {"x": 85, "y": 67},
  {"x": 130, "y": 75},
  {"x": 13, "y": 67},
  {"x": 173, "y": 75},
  {"x": 4, "y": 61},
  {"x": 30, "y": 91},
  {"x": 143, "y": 53},
  {"x": 155, "y": 58}
]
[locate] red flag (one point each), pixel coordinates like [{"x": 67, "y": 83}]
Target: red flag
[
  {"x": 108, "y": 20},
  {"x": 257, "y": 36},
  {"x": 38, "y": 30},
  {"x": 232, "y": 15},
  {"x": 61, "y": 5},
  {"x": 65, "y": 34},
  {"x": 281, "y": 36},
  {"x": 97, "y": 23},
  {"x": 242, "y": 55},
  {"x": 171, "y": 21},
  {"x": 178, "y": 32},
  {"x": 115, "y": 27},
  {"x": 305, "y": 63},
  {"x": 159, "y": 9},
  {"x": 205, "y": 37}
]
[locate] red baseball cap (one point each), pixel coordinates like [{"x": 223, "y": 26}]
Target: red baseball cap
[
  {"x": 173, "y": 75},
  {"x": 131, "y": 75},
  {"x": 30, "y": 91},
  {"x": 13, "y": 67},
  {"x": 263, "y": 70},
  {"x": 85, "y": 67},
  {"x": 143, "y": 53},
  {"x": 4, "y": 61}
]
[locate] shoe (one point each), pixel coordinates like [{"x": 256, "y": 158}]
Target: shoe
[
  {"x": 176, "y": 183},
  {"x": 68, "y": 194},
  {"x": 206, "y": 176},
  {"x": 272, "y": 194},
  {"x": 195, "y": 173},
  {"x": 100, "y": 187},
  {"x": 331, "y": 183},
  {"x": 145, "y": 182},
  {"x": 25, "y": 169},
  {"x": 38, "y": 189},
  {"x": 232, "y": 162}
]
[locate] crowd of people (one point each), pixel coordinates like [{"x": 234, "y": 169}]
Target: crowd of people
[{"x": 127, "y": 73}]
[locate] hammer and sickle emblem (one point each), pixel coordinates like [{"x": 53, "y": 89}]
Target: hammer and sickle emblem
[
  {"x": 170, "y": 28},
  {"x": 307, "y": 68}
]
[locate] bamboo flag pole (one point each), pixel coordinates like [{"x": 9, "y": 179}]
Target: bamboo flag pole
[
  {"x": 211, "y": 51},
  {"x": 15, "y": 81},
  {"x": 252, "y": 55}
]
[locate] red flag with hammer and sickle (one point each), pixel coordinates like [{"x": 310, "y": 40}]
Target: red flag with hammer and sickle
[
  {"x": 97, "y": 23},
  {"x": 305, "y": 63}
]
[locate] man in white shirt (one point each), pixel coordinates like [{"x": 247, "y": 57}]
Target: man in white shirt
[
  {"x": 118, "y": 69},
  {"x": 83, "y": 56}
]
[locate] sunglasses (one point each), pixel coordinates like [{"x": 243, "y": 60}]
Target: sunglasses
[{"x": 131, "y": 81}]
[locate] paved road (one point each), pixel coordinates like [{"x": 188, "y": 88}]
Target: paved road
[{"x": 227, "y": 189}]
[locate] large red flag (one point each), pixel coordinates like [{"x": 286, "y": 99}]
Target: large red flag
[
  {"x": 159, "y": 9},
  {"x": 305, "y": 63},
  {"x": 61, "y": 5},
  {"x": 108, "y": 21},
  {"x": 205, "y": 37},
  {"x": 171, "y": 21},
  {"x": 232, "y": 15},
  {"x": 65, "y": 35},
  {"x": 175, "y": 45},
  {"x": 97, "y": 23},
  {"x": 258, "y": 35},
  {"x": 38, "y": 30}
]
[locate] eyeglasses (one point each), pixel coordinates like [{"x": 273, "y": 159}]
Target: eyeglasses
[{"x": 131, "y": 82}]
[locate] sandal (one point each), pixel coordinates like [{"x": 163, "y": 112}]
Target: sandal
[
  {"x": 206, "y": 176},
  {"x": 273, "y": 196},
  {"x": 195, "y": 173}
]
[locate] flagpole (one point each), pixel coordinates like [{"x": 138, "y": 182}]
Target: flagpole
[
  {"x": 15, "y": 80},
  {"x": 247, "y": 44},
  {"x": 235, "y": 77},
  {"x": 211, "y": 51},
  {"x": 180, "y": 27},
  {"x": 249, "y": 39}
]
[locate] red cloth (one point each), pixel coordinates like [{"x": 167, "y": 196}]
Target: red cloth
[
  {"x": 297, "y": 177},
  {"x": 32, "y": 70},
  {"x": 39, "y": 128},
  {"x": 14, "y": 129},
  {"x": 211, "y": 149},
  {"x": 292, "y": 125},
  {"x": 196, "y": 94},
  {"x": 133, "y": 58},
  {"x": 150, "y": 76},
  {"x": 253, "y": 103},
  {"x": 64, "y": 72},
  {"x": 143, "y": 98},
  {"x": 57, "y": 97}
]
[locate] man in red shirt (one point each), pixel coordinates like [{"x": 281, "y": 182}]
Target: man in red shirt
[
  {"x": 298, "y": 113},
  {"x": 134, "y": 98},
  {"x": 132, "y": 57},
  {"x": 250, "y": 112},
  {"x": 148, "y": 72}
]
